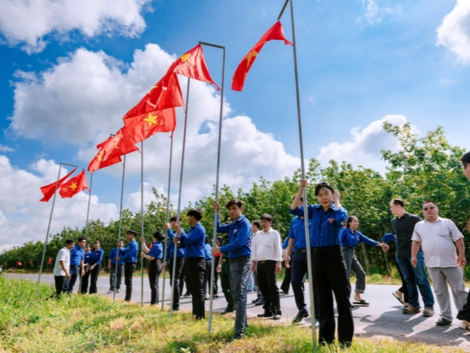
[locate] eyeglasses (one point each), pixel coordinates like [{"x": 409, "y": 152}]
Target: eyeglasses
[{"x": 429, "y": 208}]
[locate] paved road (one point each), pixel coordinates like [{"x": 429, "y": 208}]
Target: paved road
[{"x": 382, "y": 318}]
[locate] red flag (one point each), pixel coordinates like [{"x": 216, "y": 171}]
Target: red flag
[
  {"x": 143, "y": 126},
  {"x": 111, "y": 150},
  {"x": 49, "y": 190},
  {"x": 74, "y": 186},
  {"x": 19, "y": 264},
  {"x": 49, "y": 261},
  {"x": 192, "y": 64},
  {"x": 274, "y": 33}
]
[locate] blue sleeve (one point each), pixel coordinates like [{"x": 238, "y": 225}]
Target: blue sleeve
[
  {"x": 193, "y": 236},
  {"x": 388, "y": 238},
  {"x": 343, "y": 237},
  {"x": 365, "y": 240},
  {"x": 291, "y": 230},
  {"x": 168, "y": 245},
  {"x": 284, "y": 244},
  {"x": 244, "y": 233},
  {"x": 100, "y": 256},
  {"x": 222, "y": 228},
  {"x": 126, "y": 253},
  {"x": 341, "y": 215}
]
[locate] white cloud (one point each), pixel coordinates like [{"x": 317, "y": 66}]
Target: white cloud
[
  {"x": 373, "y": 13},
  {"x": 23, "y": 218},
  {"x": 6, "y": 149},
  {"x": 366, "y": 144},
  {"x": 454, "y": 32},
  {"x": 29, "y": 22}
]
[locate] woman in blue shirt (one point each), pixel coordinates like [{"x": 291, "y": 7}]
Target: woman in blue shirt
[
  {"x": 95, "y": 266},
  {"x": 329, "y": 270},
  {"x": 154, "y": 255},
  {"x": 86, "y": 276},
  {"x": 350, "y": 237}
]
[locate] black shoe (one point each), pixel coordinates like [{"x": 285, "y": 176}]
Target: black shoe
[
  {"x": 265, "y": 315},
  {"x": 256, "y": 300},
  {"x": 186, "y": 295},
  {"x": 226, "y": 311},
  {"x": 234, "y": 338},
  {"x": 443, "y": 322},
  {"x": 261, "y": 302},
  {"x": 300, "y": 316},
  {"x": 277, "y": 317}
]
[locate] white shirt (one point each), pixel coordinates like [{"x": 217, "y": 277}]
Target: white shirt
[
  {"x": 266, "y": 246},
  {"x": 62, "y": 255},
  {"x": 438, "y": 242}
]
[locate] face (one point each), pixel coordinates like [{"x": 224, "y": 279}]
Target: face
[
  {"x": 191, "y": 220},
  {"x": 354, "y": 223},
  {"x": 325, "y": 197},
  {"x": 120, "y": 244},
  {"x": 87, "y": 249},
  {"x": 82, "y": 243},
  {"x": 466, "y": 171},
  {"x": 96, "y": 245},
  {"x": 130, "y": 236},
  {"x": 395, "y": 209},
  {"x": 254, "y": 228},
  {"x": 70, "y": 246},
  {"x": 234, "y": 211},
  {"x": 218, "y": 242},
  {"x": 430, "y": 210},
  {"x": 266, "y": 225}
]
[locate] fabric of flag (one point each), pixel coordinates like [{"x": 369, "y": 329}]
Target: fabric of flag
[
  {"x": 192, "y": 64},
  {"x": 73, "y": 186},
  {"x": 274, "y": 33},
  {"x": 143, "y": 126},
  {"x": 49, "y": 190}
]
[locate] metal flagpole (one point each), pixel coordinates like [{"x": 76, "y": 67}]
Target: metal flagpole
[
  {"x": 86, "y": 226},
  {"x": 179, "y": 197},
  {"x": 120, "y": 224},
  {"x": 49, "y": 225},
  {"x": 142, "y": 220},
  {"x": 219, "y": 143},
  {"x": 167, "y": 220},
  {"x": 299, "y": 120}
]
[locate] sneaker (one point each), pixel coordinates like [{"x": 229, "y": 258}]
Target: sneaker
[
  {"x": 300, "y": 316},
  {"x": 411, "y": 310},
  {"x": 443, "y": 322},
  {"x": 261, "y": 302},
  {"x": 265, "y": 315},
  {"x": 277, "y": 317},
  {"x": 428, "y": 312},
  {"x": 255, "y": 300},
  {"x": 110, "y": 291}
]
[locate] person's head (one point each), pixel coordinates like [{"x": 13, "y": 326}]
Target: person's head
[
  {"x": 255, "y": 226},
  {"x": 173, "y": 221},
  {"x": 234, "y": 208},
  {"x": 228, "y": 219},
  {"x": 219, "y": 241},
  {"x": 207, "y": 239},
  {"x": 69, "y": 243},
  {"x": 465, "y": 160},
  {"x": 158, "y": 236},
  {"x": 81, "y": 242},
  {"x": 352, "y": 222},
  {"x": 397, "y": 207},
  {"x": 96, "y": 244},
  {"x": 87, "y": 248},
  {"x": 131, "y": 234},
  {"x": 266, "y": 221},
  {"x": 324, "y": 193},
  {"x": 301, "y": 201},
  {"x": 194, "y": 215},
  {"x": 120, "y": 244},
  {"x": 430, "y": 210}
]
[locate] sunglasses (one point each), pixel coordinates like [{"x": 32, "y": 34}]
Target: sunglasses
[{"x": 429, "y": 208}]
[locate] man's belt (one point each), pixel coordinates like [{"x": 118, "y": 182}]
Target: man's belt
[{"x": 238, "y": 259}]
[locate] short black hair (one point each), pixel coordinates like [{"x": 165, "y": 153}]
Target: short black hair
[
  {"x": 323, "y": 185},
  {"x": 465, "y": 159},
  {"x": 158, "y": 235},
  {"x": 398, "y": 202},
  {"x": 195, "y": 212},
  {"x": 428, "y": 201},
  {"x": 266, "y": 217},
  {"x": 257, "y": 224},
  {"x": 69, "y": 241},
  {"x": 173, "y": 219},
  {"x": 237, "y": 202},
  {"x": 133, "y": 232},
  {"x": 80, "y": 239}
]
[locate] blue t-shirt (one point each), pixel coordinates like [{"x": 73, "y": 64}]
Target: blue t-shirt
[
  {"x": 297, "y": 232},
  {"x": 170, "y": 248},
  {"x": 128, "y": 255},
  {"x": 208, "y": 250},
  {"x": 193, "y": 242},
  {"x": 239, "y": 233},
  {"x": 96, "y": 256},
  {"x": 113, "y": 255},
  {"x": 348, "y": 238},
  {"x": 77, "y": 254},
  {"x": 157, "y": 250}
]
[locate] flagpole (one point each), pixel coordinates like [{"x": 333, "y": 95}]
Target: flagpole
[
  {"x": 49, "y": 224},
  {"x": 142, "y": 220},
  {"x": 219, "y": 143},
  {"x": 167, "y": 218},
  {"x": 179, "y": 196},
  {"x": 86, "y": 227},
  {"x": 120, "y": 224},
  {"x": 299, "y": 120}
]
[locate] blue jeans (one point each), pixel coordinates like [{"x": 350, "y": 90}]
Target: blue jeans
[
  {"x": 239, "y": 273},
  {"x": 74, "y": 274},
  {"x": 251, "y": 283},
  {"x": 416, "y": 277}
]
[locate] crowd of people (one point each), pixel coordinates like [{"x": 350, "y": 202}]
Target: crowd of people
[{"x": 249, "y": 254}]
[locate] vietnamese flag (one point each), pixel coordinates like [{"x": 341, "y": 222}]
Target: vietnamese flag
[
  {"x": 274, "y": 33},
  {"x": 74, "y": 186},
  {"x": 49, "y": 190},
  {"x": 143, "y": 126},
  {"x": 192, "y": 64}
]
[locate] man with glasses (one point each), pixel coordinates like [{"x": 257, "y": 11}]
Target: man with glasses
[{"x": 438, "y": 238}]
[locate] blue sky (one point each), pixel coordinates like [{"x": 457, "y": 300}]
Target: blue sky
[{"x": 359, "y": 62}]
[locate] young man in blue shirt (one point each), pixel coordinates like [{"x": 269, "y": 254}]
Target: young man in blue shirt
[
  {"x": 194, "y": 256},
  {"x": 77, "y": 254},
  {"x": 129, "y": 257},
  {"x": 239, "y": 255},
  {"x": 154, "y": 255},
  {"x": 112, "y": 263}
]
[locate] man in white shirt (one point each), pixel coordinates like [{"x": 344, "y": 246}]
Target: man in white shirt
[
  {"x": 266, "y": 258},
  {"x": 438, "y": 238},
  {"x": 61, "y": 267}
]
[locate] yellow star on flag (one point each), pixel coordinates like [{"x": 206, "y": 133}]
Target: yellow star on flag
[
  {"x": 100, "y": 156},
  {"x": 251, "y": 54},
  {"x": 151, "y": 89},
  {"x": 73, "y": 186},
  {"x": 116, "y": 145},
  {"x": 151, "y": 119},
  {"x": 186, "y": 57}
]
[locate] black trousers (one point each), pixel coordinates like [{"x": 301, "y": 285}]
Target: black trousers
[
  {"x": 216, "y": 275},
  {"x": 94, "y": 279},
  {"x": 268, "y": 286},
  {"x": 112, "y": 271},
  {"x": 85, "y": 281},
  {"x": 299, "y": 266},
  {"x": 128, "y": 273},
  {"x": 287, "y": 279},
  {"x": 184, "y": 280},
  {"x": 329, "y": 275},
  {"x": 225, "y": 282},
  {"x": 155, "y": 268},
  {"x": 178, "y": 271},
  {"x": 195, "y": 272},
  {"x": 207, "y": 281},
  {"x": 59, "y": 286}
]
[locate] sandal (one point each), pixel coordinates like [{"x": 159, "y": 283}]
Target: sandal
[{"x": 361, "y": 302}]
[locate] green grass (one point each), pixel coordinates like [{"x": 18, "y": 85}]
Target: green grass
[{"x": 96, "y": 324}]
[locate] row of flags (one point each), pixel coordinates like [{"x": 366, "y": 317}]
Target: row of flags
[{"x": 155, "y": 112}]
